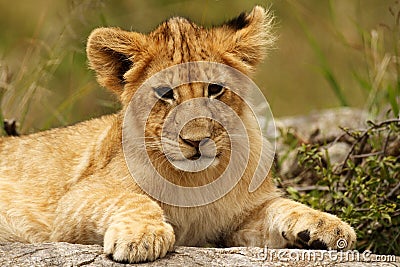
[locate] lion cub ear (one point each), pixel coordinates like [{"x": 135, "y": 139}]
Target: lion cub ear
[
  {"x": 247, "y": 38},
  {"x": 111, "y": 53}
]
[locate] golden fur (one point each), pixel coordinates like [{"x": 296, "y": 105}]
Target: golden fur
[{"x": 72, "y": 184}]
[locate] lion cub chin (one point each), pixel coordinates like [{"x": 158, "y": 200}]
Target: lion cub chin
[{"x": 74, "y": 184}]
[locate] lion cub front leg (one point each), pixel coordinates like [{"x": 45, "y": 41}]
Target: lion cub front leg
[
  {"x": 285, "y": 223},
  {"x": 130, "y": 226},
  {"x": 135, "y": 238}
]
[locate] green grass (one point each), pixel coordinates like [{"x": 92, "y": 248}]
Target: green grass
[
  {"x": 50, "y": 85},
  {"x": 324, "y": 67},
  {"x": 364, "y": 190}
]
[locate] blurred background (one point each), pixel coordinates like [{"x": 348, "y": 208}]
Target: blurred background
[{"x": 329, "y": 53}]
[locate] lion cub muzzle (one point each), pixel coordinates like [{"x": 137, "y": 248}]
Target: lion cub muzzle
[{"x": 195, "y": 135}]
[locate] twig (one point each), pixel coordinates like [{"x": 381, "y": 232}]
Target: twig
[
  {"x": 363, "y": 138},
  {"x": 366, "y": 155},
  {"x": 311, "y": 187},
  {"x": 383, "y": 123},
  {"x": 386, "y": 142},
  {"x": 391, "y": 193},
  {"x": 316, "y": 187}
]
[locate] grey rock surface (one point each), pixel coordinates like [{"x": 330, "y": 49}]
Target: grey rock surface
[
  {"x": 324, "y": 123},
  {"x": 65, "y": 254}
]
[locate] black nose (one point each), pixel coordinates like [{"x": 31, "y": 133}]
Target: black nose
[
  {"x": 195, "y": 143},
  {"x": 192, "y": 143}
]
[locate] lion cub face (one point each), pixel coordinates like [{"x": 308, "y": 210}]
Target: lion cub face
[{"x": 124, "y": 60}]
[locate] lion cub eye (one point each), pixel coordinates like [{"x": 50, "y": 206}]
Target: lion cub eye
[
  {"x": 215, "y": 90},
  {"x": 164, "y": 93}
]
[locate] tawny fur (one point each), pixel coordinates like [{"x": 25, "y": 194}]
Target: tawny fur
[{"x": 72, "y": 184}]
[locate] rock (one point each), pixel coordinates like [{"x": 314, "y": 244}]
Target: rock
[
  {"x": 337, "y": 152},
  {"x": 322, "y": 128},
  {"x": 65, "y": 254},
  {"x": 324, "y": 124}
]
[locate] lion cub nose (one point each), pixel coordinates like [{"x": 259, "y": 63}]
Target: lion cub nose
[
  {"x": 192, "y": 143},
  {"x": 196, "y": 143}
]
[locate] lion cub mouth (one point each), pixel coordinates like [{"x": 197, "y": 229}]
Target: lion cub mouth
[
  {"x": 194, "y": 156},
  {"x": 199, "y": 155},
  {"x": 205, "y": 148}
]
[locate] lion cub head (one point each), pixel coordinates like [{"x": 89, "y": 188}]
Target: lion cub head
[{"x": 124, "y": 60}]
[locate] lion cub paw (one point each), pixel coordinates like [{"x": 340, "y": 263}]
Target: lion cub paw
[
  {"x": 320, "y": 230},
  {"x": 138, "y": 242}
]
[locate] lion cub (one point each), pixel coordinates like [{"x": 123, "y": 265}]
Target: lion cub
[{"x": 73, "y": 184}]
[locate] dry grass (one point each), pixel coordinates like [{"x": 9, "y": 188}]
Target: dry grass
[{"x": 45, "y": 81}]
